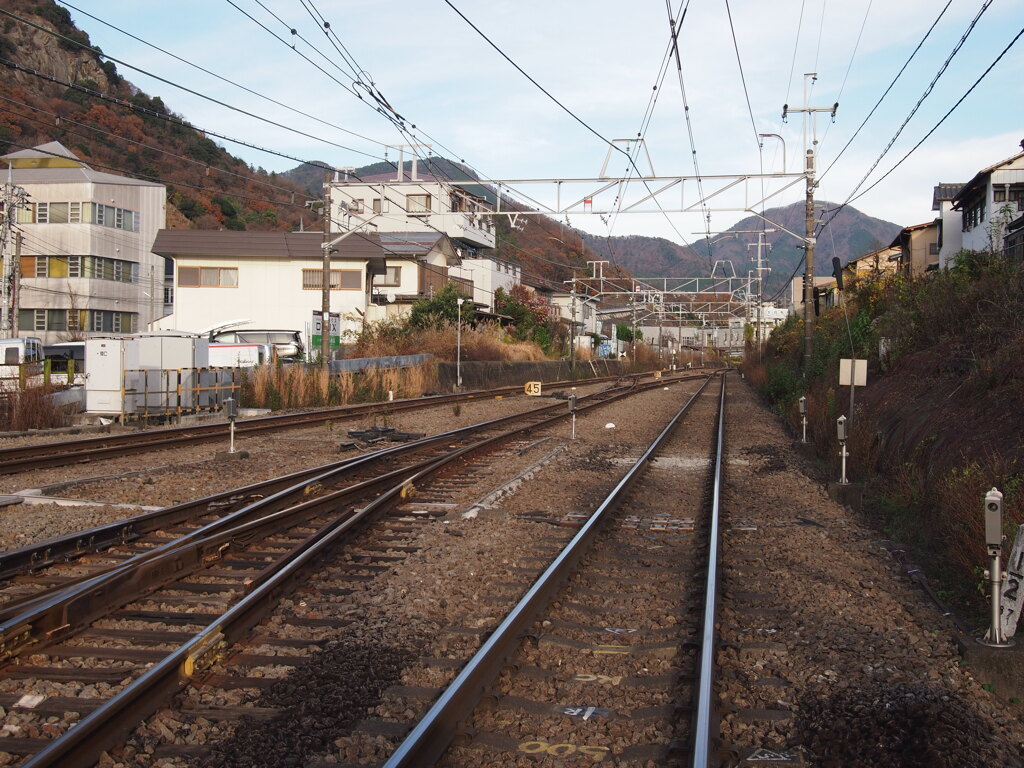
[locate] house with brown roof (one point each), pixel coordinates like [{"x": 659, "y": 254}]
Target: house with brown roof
[
  {"x": 268, "y": 280},
  {"x": 275, "y": 279},
  {"x": 919, "y": 248}
]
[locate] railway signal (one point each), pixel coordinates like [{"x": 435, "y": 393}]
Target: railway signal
[
  {"x": 841, "y": 434},
  {"x": 994, "y": 541}
]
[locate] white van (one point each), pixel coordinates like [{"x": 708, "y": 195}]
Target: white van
[
  {"x": 21, "y": 351},
  {"x": 21, "y": 362},
  {"x": 287, "y": 344},
  {"x": 240, "y": 355}
]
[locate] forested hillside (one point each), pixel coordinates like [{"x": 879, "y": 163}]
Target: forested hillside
[{"x": 56, "y": 88}]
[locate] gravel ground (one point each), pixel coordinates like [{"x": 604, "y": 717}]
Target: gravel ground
[
  {"x": 822, "y": 628},
  {"x": 164, "y": 478},
  {"x": 820, "y": 625}
]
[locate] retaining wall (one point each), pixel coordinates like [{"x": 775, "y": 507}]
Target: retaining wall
[{"x": 487, "y": 374}]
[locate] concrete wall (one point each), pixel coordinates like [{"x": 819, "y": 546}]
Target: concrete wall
[{"x": 485, "y": 375}]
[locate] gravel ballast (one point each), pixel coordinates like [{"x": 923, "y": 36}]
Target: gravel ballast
[{"x": 820, "y": 624}]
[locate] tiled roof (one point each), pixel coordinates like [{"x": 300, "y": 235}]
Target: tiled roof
[
  {"x": 945, "y": 191},
  {"x": 293, "y": 245}
]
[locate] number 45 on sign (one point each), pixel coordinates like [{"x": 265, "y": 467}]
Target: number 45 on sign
[{"x": 532, "y": 388}]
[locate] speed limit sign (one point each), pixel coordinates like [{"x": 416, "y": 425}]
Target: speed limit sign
[{"x": 532, "y": 388}]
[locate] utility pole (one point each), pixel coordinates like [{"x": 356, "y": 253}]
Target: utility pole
[
  {"x": 761, "y": 245},
  {"x": 325, "y": 288},
  {"x": 810, "y": 116},
  {"x": 632, "y": 302},
  {"x": 13, "y": 199},
  {"x": 572, "y": 331}
]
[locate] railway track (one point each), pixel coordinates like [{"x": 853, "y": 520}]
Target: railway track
[
  {"x": 148, "y": 617},
  {"x": 55, "y": 454},
  {"x": 618, "y": 662},
  {"x": 194, "y": 512}
]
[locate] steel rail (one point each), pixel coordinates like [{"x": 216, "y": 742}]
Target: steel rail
[
  {"x": 55, "y": 454},
  {"x": 705, "y": 725},
  {"x": 432, "y": 734},
  {"x": 106, "y": 725},
  {"x": 51, "y": 611},
  {"x": 55, "y": 614},
  {"x": 71, "y": 546}
]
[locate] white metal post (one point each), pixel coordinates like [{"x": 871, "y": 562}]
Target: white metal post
[{"x": 458, "y": 346}]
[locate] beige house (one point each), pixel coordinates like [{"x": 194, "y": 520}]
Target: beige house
[
  {"x": 919, "y": 248},
  {"x": 878, "y": 262},
  {"x": 86, "y": 266}
]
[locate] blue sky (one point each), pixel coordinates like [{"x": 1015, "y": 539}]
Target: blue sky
[{"x": 601, "y": 60}]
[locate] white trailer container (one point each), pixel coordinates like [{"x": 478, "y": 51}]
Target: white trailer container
[
  {"x": 152, "y": 374},
  {"x": 106, "y": 361}
]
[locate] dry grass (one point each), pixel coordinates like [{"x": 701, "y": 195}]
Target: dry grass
[
  {"x": 299, "y": 386},
  {"x": 32, "y": 408},
  {"x": 486, "y": 341}
]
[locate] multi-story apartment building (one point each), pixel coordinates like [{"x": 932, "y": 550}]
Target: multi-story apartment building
[
  {"x": 86, "y": 262},
  {"x": 407, "y": 202}
]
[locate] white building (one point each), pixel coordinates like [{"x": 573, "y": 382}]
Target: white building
[
  {"x": 487, "y": 276},
  {"x": 409, "y": 202},
  {"x": 418, "y": 265},
  {"x": 950, "y": 222},
  {"x": 273, "y": 280},
  {"x": 86, "y": 264},
  {"x": 982, "y": 201}
]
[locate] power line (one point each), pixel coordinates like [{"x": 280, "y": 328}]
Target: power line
[
  {"x": 888, "y": 89},
  {"x": 943, "y": 118},
  {"x": 155, "y": 114},
  {"x": 525, "y": 74},
  {"x": 849, "y": 66},
  {"x": 150, "y": 147},
  {"x": 689, "y": 129},
  {"x": 187, "y": 89},
  {"x": 743, "y": 78},
  {"x": 927, "y": 92}
]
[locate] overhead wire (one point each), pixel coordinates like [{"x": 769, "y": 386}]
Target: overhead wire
[
  {"x": 186, "y": 89},
  {"x": 849, "y": 66},
  {"x": 689, "y": 130},
  {"x": 889, "y": 88},
  {"x": 943, "y": 118},
  {"x": 138, "y": 109},
  {"x": 221, "y": 77},
  {"x": 928, "y": 90},
  {"x": 148, "y": 147}
]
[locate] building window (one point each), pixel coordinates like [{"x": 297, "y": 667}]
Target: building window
[
  {"x": 39, "y": 320},
  {"x": 391, "y": 278},
  {"x": 110, "y": 216},
  {"x": 341, "y": 280},
  {"x": 377, "y": 205},
  {"x": 42, "y": 266},
  {"x": 418, "y": 204},
  {"x": 208, "y": 277}
]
